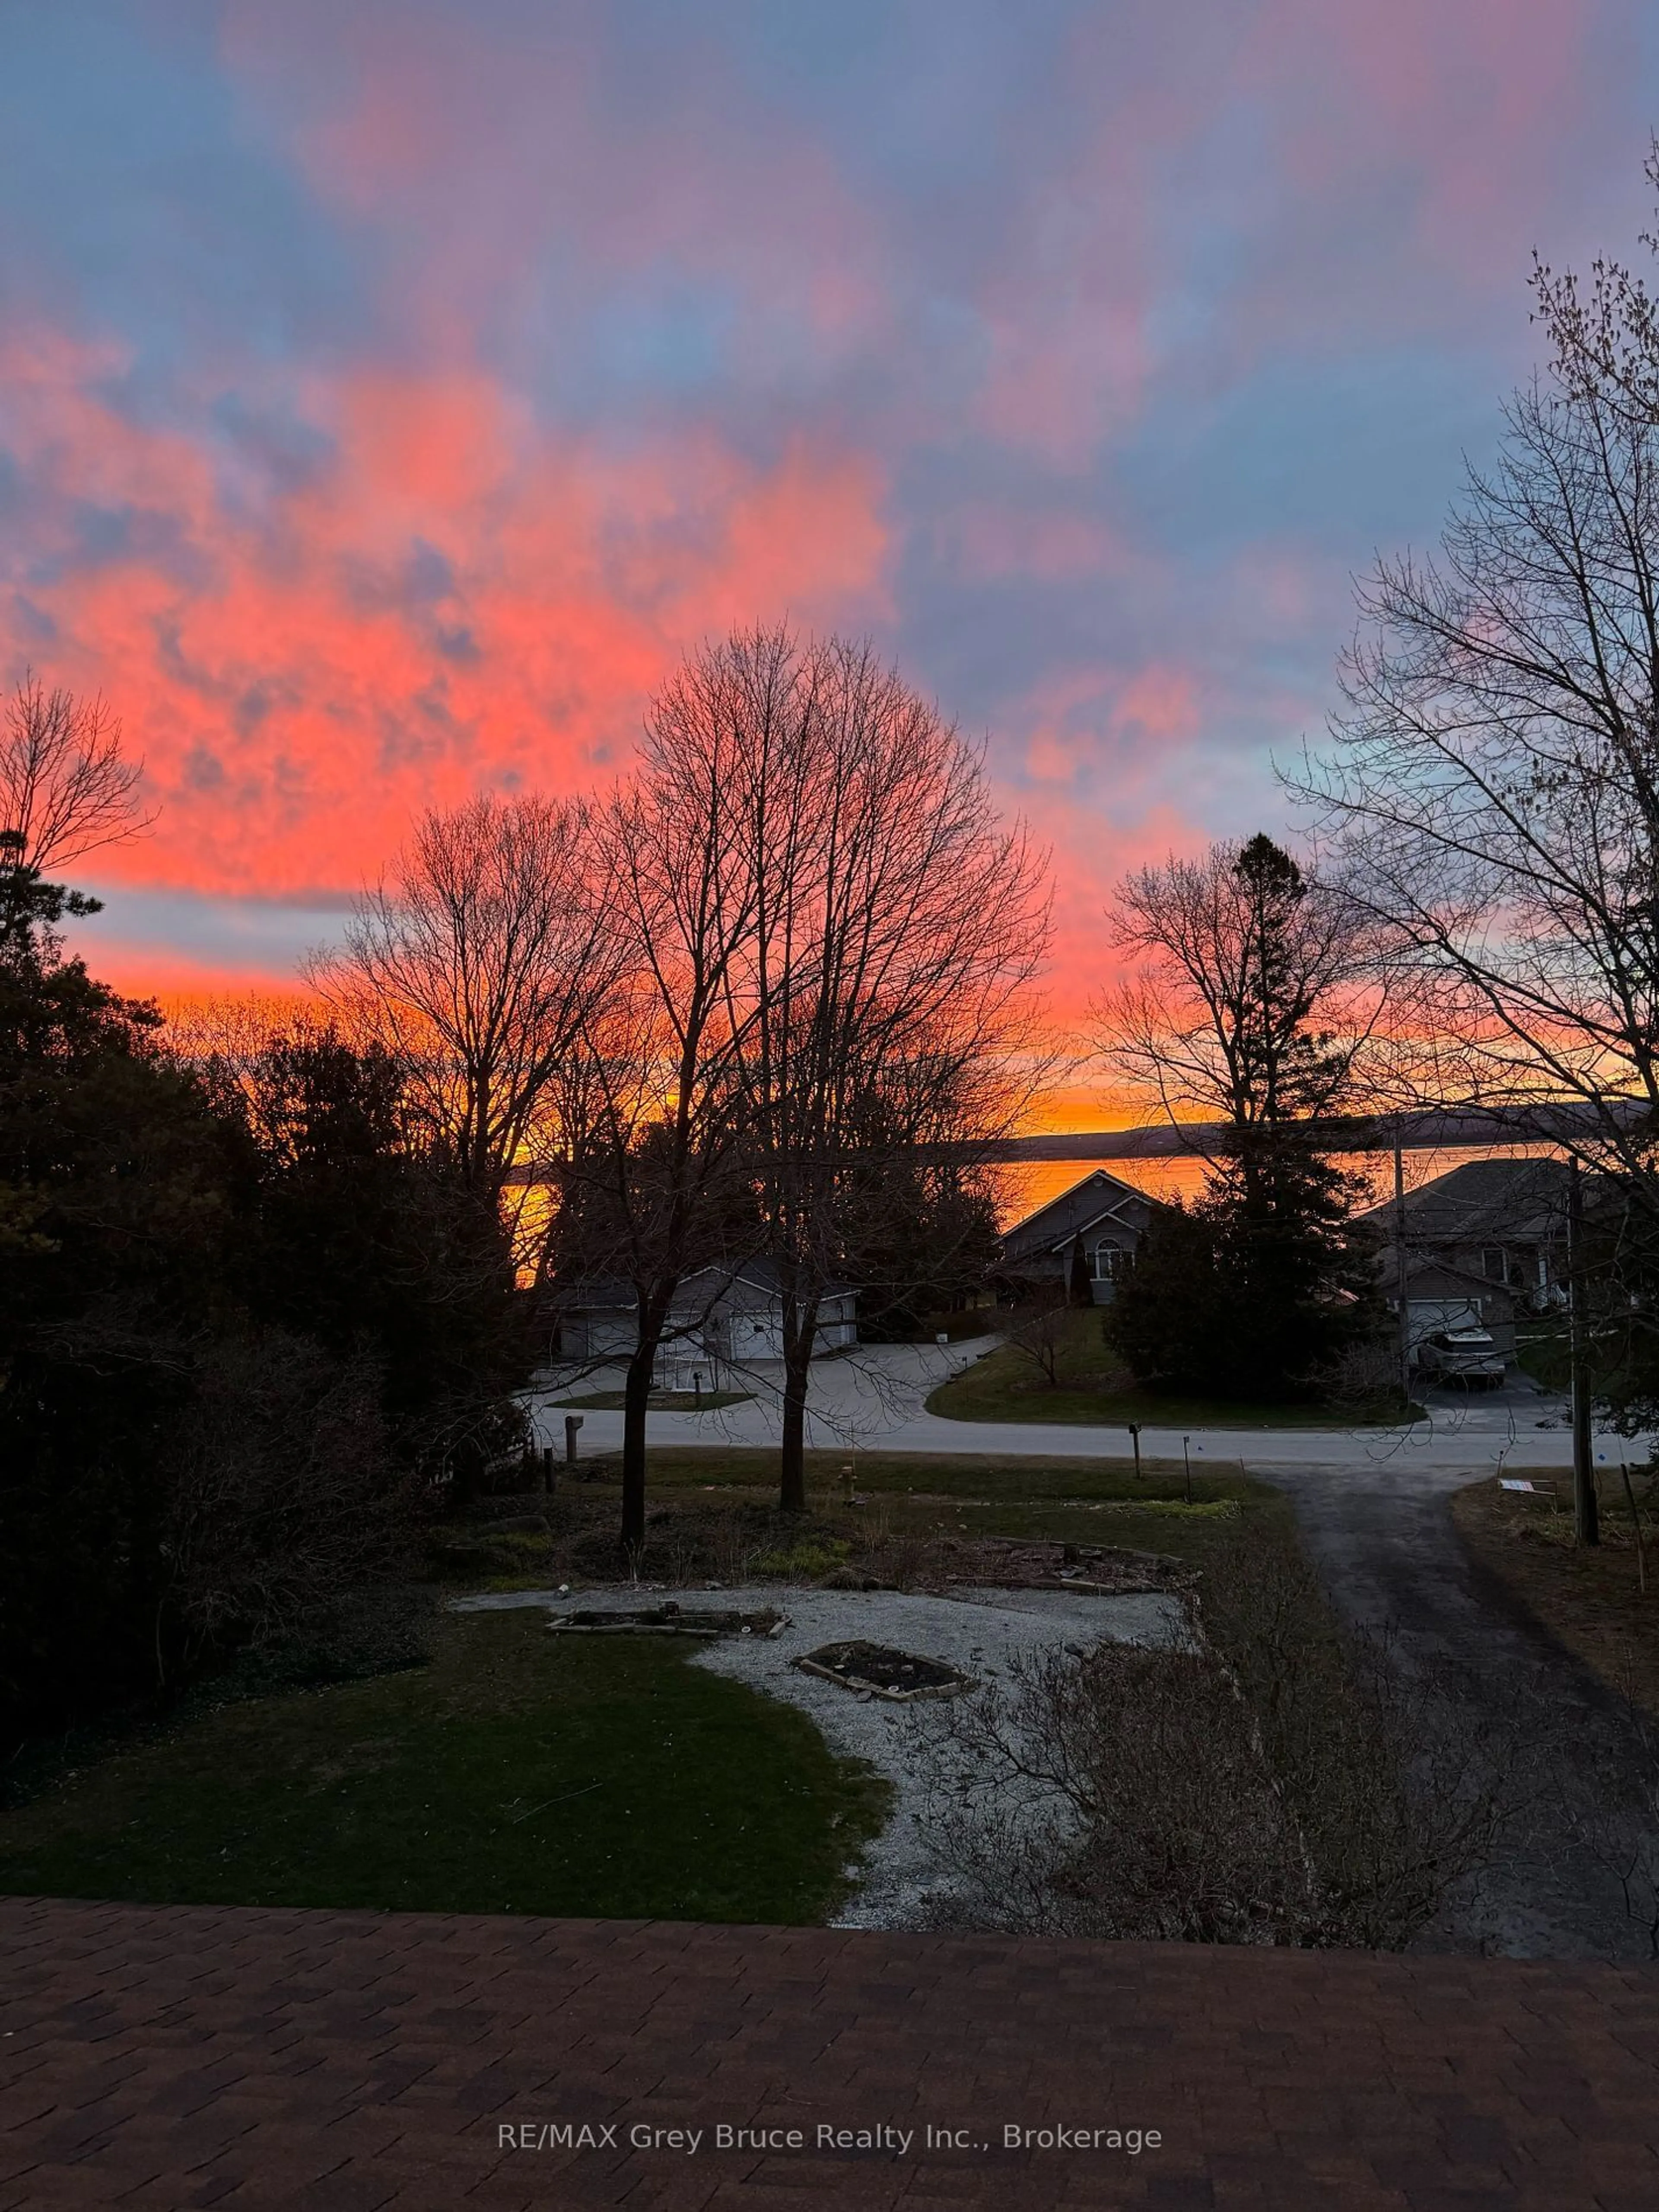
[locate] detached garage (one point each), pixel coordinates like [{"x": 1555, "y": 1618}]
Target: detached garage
[{"x": 720, "y": 1317}]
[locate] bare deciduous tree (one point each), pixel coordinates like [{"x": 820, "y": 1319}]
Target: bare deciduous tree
[
  {"x": 66, "y": 788},
  {"x": 653, "y": 1109},
  {"x": 1039, "y": 1332},
  {"x": 1606, "y": 342},
  {"x": 478, "y": 963},
  {"x": 1252, "y": 1001},
  {"x": 879, "y": 994},
  {"x": 1494, "y": 787}
]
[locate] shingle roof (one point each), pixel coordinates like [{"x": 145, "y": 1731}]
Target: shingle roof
[
  {"x": 1522, "y": 1201},
  {"x": 615, "y": 1294},
  {"x": 764, "y": 1273},
  {"x": 288, "y": 2061},
  {"x": 595, "y": 1294},
  {"x": 1099, "y": 1197}
]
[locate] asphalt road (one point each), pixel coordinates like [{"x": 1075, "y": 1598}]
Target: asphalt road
[{"x": 875, "y": 1401}]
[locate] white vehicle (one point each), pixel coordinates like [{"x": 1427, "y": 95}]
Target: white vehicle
[{"x": 1462, "y": 1355}]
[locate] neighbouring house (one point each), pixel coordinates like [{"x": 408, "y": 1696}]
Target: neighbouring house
[
  {"x": 1107, "y": 1216},
  {"x": 595, "y": 1318},
  {"x": 720, "y": 1318},
  {"x": 1483, "y": 1242}
]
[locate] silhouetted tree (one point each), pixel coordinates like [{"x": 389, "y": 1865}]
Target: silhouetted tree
[{"x": 1249, "y": 972}]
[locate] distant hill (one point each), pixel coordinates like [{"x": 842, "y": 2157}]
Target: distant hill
[{"x": 1428, "y": 1129}]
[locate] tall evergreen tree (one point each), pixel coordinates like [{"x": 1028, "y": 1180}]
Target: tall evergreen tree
[{"x": 1263, "y": 1284}]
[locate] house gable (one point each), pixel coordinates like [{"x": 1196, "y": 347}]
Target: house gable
[
  {"x": 1114, "y": 1216},
  {"x": 1097, "y": 1199}
]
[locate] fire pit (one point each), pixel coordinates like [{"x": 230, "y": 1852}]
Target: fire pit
[
  {"x": 877, "y": 1670},
  {"x": 669, "y": 1620}
]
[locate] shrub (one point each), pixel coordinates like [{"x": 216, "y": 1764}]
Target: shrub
[{"x": 1279, "y": 1783}]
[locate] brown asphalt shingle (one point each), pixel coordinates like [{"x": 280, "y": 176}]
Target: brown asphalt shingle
[{"x": 171, "y": 2058}]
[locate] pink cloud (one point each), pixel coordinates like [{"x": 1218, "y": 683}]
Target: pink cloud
[
  {"x": 297, "y": 698},
  {"x": 991, "y": 542},
  {"x": 470, "y": 142},
  {"x": 1085, "y": 719}
]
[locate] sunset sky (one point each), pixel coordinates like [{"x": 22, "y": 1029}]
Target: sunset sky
[{"x": 390, "y": 390}]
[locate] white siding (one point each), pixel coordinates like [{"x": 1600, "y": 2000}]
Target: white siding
[{"x": 598, "y": 1336}]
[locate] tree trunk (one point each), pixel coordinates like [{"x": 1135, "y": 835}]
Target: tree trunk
[
  {"x": 636, "y": 1393},
  {"x": 800, "y": 1330}
]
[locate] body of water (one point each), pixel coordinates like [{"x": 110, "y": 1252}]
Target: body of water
[{"x": 1028, "y": 1184}]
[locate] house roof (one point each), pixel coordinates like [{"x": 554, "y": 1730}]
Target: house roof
[
  {"x": 595, "y": 1294},
  {"x": 1098, "y": 1199},
  {"x": 763, "y": 1274},
  {"x": 1424, "y": 1272},
  {"x": 1503, "y": 1200},
  {"x": 615, "y": 1294}
]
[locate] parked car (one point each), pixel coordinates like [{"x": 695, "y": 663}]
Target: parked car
[{"x": 1462, "y": 1355}]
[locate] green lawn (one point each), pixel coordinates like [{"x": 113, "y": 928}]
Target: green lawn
[
  {"x": 1095, "y": 1391},
  {"x": 517, "y": 1773},
  {"x": 522, "y": 1772},
  {"x": 1011, "y": 1476}
]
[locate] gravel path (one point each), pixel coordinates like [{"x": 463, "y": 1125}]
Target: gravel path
[{"x": 979, "y": 1630}]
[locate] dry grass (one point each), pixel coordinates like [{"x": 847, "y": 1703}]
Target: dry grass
[
  {"x": 1588, "y": 1598},
  {"x": 712, "y": 1516},
  {"x": 903, "y": 1542},
  {"x": 1282, "y": 1783}
]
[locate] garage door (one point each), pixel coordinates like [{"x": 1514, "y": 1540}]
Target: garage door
[{"x": 1427, "y": 1316}]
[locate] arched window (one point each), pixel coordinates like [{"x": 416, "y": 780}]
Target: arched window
[{"x": 1105, "y": 1260}]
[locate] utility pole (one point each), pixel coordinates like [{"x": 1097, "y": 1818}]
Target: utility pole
[
  {"x": 1586, "y": 1517},
  {"x": 1403, "y": 1313}
]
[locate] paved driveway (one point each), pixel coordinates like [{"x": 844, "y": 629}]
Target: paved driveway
[{"x": 1392, "y": 1561}]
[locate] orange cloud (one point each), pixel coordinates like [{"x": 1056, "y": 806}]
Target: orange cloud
[{"x": 448, "y": 595}]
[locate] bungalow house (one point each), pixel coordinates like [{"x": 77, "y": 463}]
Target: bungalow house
[
  {"x": 1501, "y": 1221},
  {"x": 1106, "y": 1216},
  {"x": 720, "y": 1318},
  {"x": 1482, "y": 1242}
]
